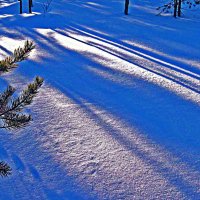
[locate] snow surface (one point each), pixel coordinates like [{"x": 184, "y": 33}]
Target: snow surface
[{"x": 119, "y": 115}]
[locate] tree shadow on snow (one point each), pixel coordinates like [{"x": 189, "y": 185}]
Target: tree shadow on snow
[{"x": 162, "y": 116}]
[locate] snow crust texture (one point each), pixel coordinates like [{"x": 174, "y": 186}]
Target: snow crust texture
[{"x": 119, "y": 115}]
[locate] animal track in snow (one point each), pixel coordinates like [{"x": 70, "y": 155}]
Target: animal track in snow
[{"x": 90, "y": 167}]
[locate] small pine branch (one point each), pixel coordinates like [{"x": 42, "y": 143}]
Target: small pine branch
[
  {"x": 5, "y": 169},
  {"x": 5, "y": 97},
  {"x": 20, "y": 54},
  {"x": 10, "y": 114},
  {"x": 166, "y": 8},
  {"x": 15, "y": 120},
  {"x": 27, "y": 95}
]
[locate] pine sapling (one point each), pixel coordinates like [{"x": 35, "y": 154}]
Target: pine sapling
[{"x": 11, "y": 109}]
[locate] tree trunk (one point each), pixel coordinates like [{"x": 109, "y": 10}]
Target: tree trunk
[
  {"x": 30, "y": 6},
  {"x": 20, "y": 6},
  {"x": 126, "y": 7},
  {"x": 179, "y": 7},
  {"x": 175, "y": 7},
  {"x": 31, "y": 3}
]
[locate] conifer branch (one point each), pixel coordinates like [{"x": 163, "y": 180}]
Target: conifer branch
[
  {"x": 166, "y": 8},
  {"x": 5, "y": 97},
  {"x": 5, "y": 169},
  {"x": 10, "y": 113},
  {"x": 11, "y": 116},
  {"x": 20, "y": 54}
]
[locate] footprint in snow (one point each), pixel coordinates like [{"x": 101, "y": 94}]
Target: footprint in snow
[
  {"x": 90, "y": 168},
  {"x": 19, "y": 165},
  {"x": 34, "y": 173}
]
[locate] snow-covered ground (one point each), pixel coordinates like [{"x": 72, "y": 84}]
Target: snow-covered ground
[{"x": 119, "y": 115}]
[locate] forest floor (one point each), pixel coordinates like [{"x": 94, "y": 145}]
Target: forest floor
[{"x": 118, "y": 117}]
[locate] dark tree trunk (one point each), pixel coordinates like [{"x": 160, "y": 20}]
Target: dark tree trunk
[
  {"x": 179, "y": 7},
  {"x": 20, "y": 6},
  {"x": 30, "y": 6},
  {"x": 175, "y": 7},
  {"x": 126, "y": 7}
]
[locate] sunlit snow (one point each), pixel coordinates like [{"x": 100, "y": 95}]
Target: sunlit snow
[{"x": 118, "y": 116}]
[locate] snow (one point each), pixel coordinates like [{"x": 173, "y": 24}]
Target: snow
[{"x": 119, "y": 114}]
